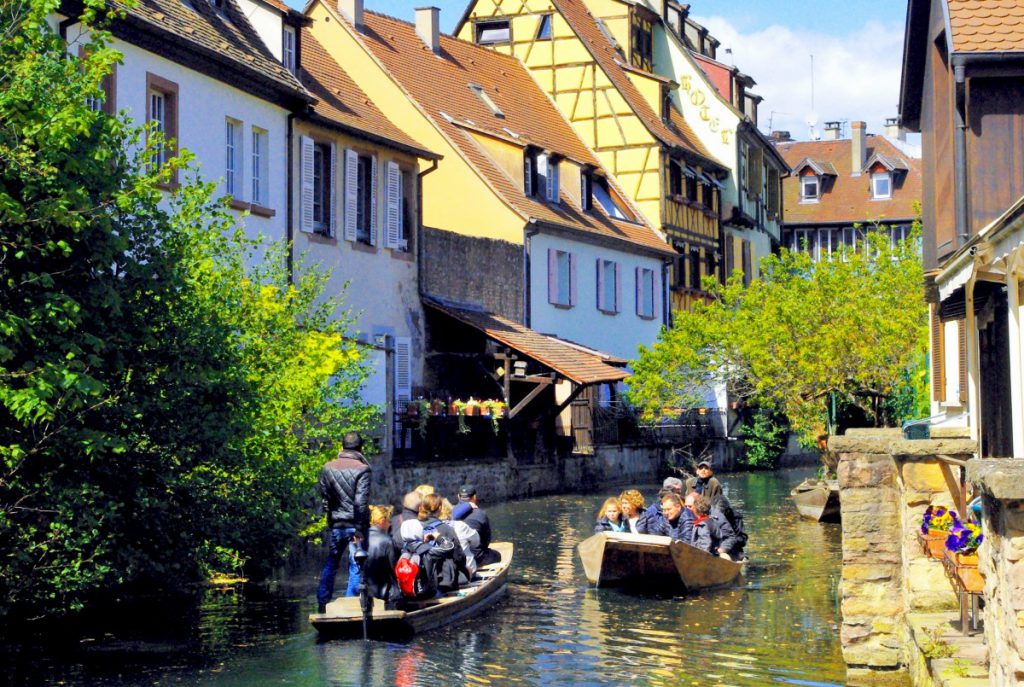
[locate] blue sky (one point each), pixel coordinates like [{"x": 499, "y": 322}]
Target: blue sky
[{"x": 857, "y": 50}]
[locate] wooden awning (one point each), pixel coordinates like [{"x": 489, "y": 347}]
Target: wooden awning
[{"x": 575, "y": 362}]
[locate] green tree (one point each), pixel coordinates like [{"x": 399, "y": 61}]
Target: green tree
[
  {"x": 848, "y": 327},
  {"x": 163, "y": 408}
]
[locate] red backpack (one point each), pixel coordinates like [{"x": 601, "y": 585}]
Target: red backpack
[{"x": 414, "y": 578}]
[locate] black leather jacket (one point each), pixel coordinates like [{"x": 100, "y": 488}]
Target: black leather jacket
[
  {"x": 345, "y": 488},
  {"x": 379, "y": 570}
]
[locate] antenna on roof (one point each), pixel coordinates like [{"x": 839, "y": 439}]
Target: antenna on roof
[{"x": 812, "y": 117}]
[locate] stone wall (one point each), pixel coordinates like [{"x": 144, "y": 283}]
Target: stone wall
[
  {"x": 885, "y": 485},
  {"x": 486, "y": 272},
  {"x": 1001, "y": 561}
]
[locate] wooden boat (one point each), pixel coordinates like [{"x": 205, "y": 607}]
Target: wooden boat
[
  {"x": 344, "y": 617},
  {"x": 619, "y": 558},
  {"x": 817, "y": 499}
]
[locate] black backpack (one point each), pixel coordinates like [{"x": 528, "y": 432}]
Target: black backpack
[{"x": 422, "y": 569}]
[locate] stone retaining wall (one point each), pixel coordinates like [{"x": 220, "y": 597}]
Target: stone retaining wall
[{"x": 885, "y": 485}]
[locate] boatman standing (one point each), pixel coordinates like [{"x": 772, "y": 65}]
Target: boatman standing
[
  {"x": 345, "y": 488},
  {"x": 704, "y": 483}
]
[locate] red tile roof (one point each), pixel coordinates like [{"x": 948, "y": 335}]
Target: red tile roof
[
  {"x": 678, "y": 132},
  {"x": 577, "y": 363},
  {"x": 340, "y": 101},
  {"x": 987, "y": 25},
  {"x": 529, "y": 114},
  {"x": 847, "y": 198}
]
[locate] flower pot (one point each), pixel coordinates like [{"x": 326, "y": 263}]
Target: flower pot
[
  {"x": 471, "y": 411},
  {"x": 453, "y": 409},
  {"x": 967, "y": 559},
  {"x": 934, "y": 543},
  {"x": 485, "y": 412}
]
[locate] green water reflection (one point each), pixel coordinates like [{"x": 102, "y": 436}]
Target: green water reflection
[{"x": 779, "y": 626}]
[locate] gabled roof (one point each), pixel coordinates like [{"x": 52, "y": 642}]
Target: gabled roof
[
  {"x": 529, "y": 118},
  {"x": 342, "y": 104},
  {"x": 890, "y": 162},
  {"x": 677, "y": 134},
  {"x": 819, "y": 167},
  {"x": 219, "y": 42},
  {"x": 847, "y": 198},
  {"x": 572, "y": 361}
]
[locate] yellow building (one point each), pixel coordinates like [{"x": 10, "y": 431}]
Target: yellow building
[{"x": 597, "y": 71}]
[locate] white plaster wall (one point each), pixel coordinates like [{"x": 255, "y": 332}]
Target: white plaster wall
[
  {"x": 266, "y": 20},
  {"x": 618, "y": 334},
  {"x": 380, "y": 285},
  {"x": 204, "y": 103}
]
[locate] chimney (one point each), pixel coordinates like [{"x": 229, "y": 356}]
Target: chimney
[
  {"x": 353, "y": 11},
  {"x": 428, "y": 23},
  {"x": 893, "y": 129},
  {"x": 833, "y": 131},
  {"x": 857, "y": 149},
  {"x": 780, "y": 136}
]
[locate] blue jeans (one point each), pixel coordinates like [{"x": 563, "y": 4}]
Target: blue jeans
[{"x": 340, "y": 539}]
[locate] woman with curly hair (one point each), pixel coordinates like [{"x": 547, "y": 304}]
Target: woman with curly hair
[{"x": 631, "y": 502}]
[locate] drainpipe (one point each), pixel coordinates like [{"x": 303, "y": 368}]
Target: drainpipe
[
  {"x": 419, "y": 223},
  {"x": 531, "y": 231},
  {"x": 289, "y": 227},
  {"x": 960, "y": 165}
]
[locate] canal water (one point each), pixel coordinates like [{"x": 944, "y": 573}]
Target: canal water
[{"x": 778, "y": 626}]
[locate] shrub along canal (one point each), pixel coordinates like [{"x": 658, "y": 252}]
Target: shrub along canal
[{"x": 779, "y": 626}]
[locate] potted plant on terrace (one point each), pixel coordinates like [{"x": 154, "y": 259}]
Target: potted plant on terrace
[
  {"x": 962, "y": 551},
  {"x": 495, "y": 410},
  {"x": 935, "y": 528}
]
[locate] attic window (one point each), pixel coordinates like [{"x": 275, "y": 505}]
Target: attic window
[
  {"x": 608, "y": 200},
  {"x": 809, "y": 188},
  {"x": 544, "y": 28},
  {"x": 493, "y": 32},
  {"x": 486, "y": 99},
  {"x": 881, "y": 185}
]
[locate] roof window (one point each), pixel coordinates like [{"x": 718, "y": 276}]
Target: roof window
[
  {"x": 486, "y": 99},
  {"x": 810, "y": 187},
  {"x": 544, "y": 28},
  {"x": 493, "y": 32},
  {"x": 881, "y": 185}
]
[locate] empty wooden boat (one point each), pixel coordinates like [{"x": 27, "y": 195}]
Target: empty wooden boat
[
  {"x": 618, "y": 558},
  {"x": 344, "y": 617},
  {"x": 817, "y": 499}
]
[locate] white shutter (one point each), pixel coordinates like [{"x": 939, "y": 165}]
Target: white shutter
[
  {"x": 351, "y": 193},
  {"x": 393, "y": 205},
  {"x": 403, "y": 370},
  {"x": 373, "y": 201},
  {"x": 306, "y": 184},
  {"x": 330, "y": 185},
  {"x": 553, "y": 190}
]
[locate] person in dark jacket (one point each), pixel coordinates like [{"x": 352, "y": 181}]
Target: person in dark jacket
[
  {"x": 410, "y": 512},
  {"x": 676, "y": 522},
  {"x": 704, "y": 483},
  {"x": 479, "y": 521},
  {"x": 610, "y": 518},
  {"x": 344, "y": 485},
  {"x": 671, "y": 485},
  {"x": 632, "y": 503},
  {"x": 444, "y": 538},
  {"x": 382, "y": 555},
  {"x": 712, "y": 533},
  {"x": 723, "y": 512}
]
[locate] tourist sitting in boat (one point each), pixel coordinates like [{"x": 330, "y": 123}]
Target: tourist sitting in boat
[
  {"x": 632, "y": 503},
  {"x": 440, "y": 535},
  {"x": 382, "y": 555},
  {"x": 478, "y": 520},
  {"x": 671, "y": 485},
  {"x": 610, "y": 518},
  {"x": 722, "y": 509},
  {"x": 705, "y": 482},
  {"x": 676, "y": 521},
  {"x": 410, "y": 513},
  {"x": 712, "y": 533},
  {"x": 468, "y": 537}
]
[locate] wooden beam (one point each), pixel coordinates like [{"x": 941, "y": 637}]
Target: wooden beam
[
  {"x": 990, "y": 276},
  {"x": 526, "y": 400},
  {"x": 572, "y": 397}
]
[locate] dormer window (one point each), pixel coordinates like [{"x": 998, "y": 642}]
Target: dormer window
[
  {"x": 642, "y": 49},
  {"x": 491, "y": 32},
  {"x": 288, "y": 49},
  {"x": 541, "y": 178},
  {"x": 881, "y": 185},
  {"x": 810, "y": 188},
  {"x": 486, "y": 99},
  {"x": 607, "y": 199}
]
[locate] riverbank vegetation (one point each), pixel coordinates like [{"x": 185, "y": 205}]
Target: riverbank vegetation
[
  {"x": 809, "y": 340},
  {"x": 167, "y": 394}
]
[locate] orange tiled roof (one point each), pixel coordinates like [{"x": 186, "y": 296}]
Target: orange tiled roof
[
  {"x": 572, "y": 361},
  {"x": 341, "y": 101},
  {"x": 987, "y": 25},
  {"x": 847, "y": 198},
  {"x": 529, "y": 118},
  {"x": 677, "y": 132}
]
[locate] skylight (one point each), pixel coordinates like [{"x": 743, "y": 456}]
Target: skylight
[{"x": 486, "y": 100}]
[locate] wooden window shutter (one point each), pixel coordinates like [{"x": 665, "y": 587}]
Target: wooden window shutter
[
  {"x": 373, "y": 201},
  {"x": 393, "y": 205},
  {"x": 938, "y": 358},
  {"x": 600, "y": 285},
  {"x": 641, "y": 307},
  {"x": 528, "y": 175},
  {"x": 618, "y": 287},
  {"x": 553, "y": 190},
  {"x": 329, "y": 193},
  {"x": 572, "y": 279},
  {"x": 552, "y": 276},
  {"x": 962, "y": 358},
  {"x": 403, "y": 370},
  {"x": 306, "y": 184},
  {"x": 351, "y": 193}
]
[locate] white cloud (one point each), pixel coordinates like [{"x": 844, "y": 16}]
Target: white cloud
[{"x": 856, "y": 76}]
